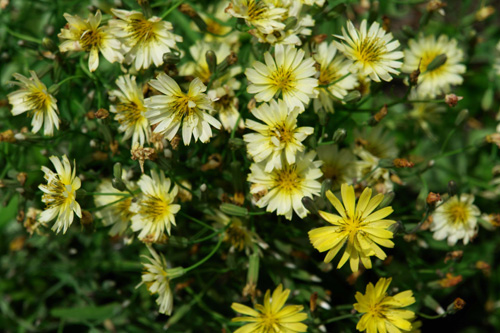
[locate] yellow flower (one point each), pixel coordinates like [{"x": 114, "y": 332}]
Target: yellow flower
[
  {"x": 86, "y": 35},
  {"x": 271, "y": 317},
  {"x": 456, "y": 219},
  {"x": 433, "y": 82},
  {"x": 288, "y": 75},
  {"x": 155, "y": 210},
  {"x": 361, "y": 227},
  {"x": 60, "y": 195},
  {"x": 381, "y": 312},
  {"x": 261, "y": 14},
  {"x": 130, "y": 110},
  {"x": 372, "y": 51},
  {"x": 34, "y": 96},
  {"x": 175, "y": 107},
  {"x": 144, "y": 40}
]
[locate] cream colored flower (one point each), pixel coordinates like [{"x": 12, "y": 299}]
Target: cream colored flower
[
  {"x": 130, "y": 110},
  {"x": 338, "y": 165},
  {"x": 456, "y": 219},
  {"x": 286, "y": 187},
  {"x": 439, "y": 80},
  {"x": 60, "y": 195},
  {"x": 145, "y": 40},
  {"x": 155, "y": 210},
  {"x": 175, "y": 107},
  {"x": 87, "y": 35},
  {"x": 34, "y": 96},
  {"x": 226, "y": 104},
  {"x": 157, "y": 277},
  {"x": 372, "y": 51},
  {"x": 334, "y": 77},
  {"x": 288, "y": 75},
  {"x": 260, "y": 14},
  {"x": 278, "y": 140}
]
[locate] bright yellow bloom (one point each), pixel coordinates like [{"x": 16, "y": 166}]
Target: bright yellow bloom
[
  {"x": 144, "y": 40},
  {"x": 372, "y": 50},
  {"x": 86, "y": 35},
  {"x": 361, "y": 227},
  {"x": 381, "y": 312},
  {"x": 60, "y": 194},
  {"x": 271, "y": 317},
  {"x": 34, "y": 96}
]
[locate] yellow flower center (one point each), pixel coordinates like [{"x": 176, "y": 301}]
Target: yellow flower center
[
  {"x": 287, "y": 179},
  {"x": 90, "y": 39},
  {"x": 141, "y": 30},
  {"x": 370, "y": 49},
  {"x": 60, "y": 194},
  {"x": 38, "y": 100},
  {"x": 256, "y": 10},
  {"x": 427, "y": 58},
  {"x": 153, "y": 208},
  {"x": 283, "y": 133},
  {"x": 376, "y": 310},
  {"x": 122, "y": 208},
  {"x": 183, "y": 106},
  {"x": 328, "y": 75},
  {"x": 283, "y": 79},
  {"x": 130, "y": 113},
  {"x": 458, "y": 213},
  {"x": 237, "y": 235},
  {"x": 268, "y": 322}
]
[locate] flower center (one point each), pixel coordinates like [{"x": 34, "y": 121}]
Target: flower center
[
  {"x": 141, "y": 30},
  {"x": 130, "y": 113},
  {"x": 370, "y": 49},
  {"x": 352, "y": 226},
  {"x": 183, "y": 106},
  {"x": 287, "y": 179},
  {"x": 123, "y": 209},
  {"x": 59, "y": 195},
  {"x": 282, "y": 134},
  {"x": 377, "y": 310},
  {"x": 427, "y": 58},
  {"x": 458, "y": 213},
  {"x": 256, "y": 10},
  {"x": 269, "y": 322},
  {"x": 153, "y": 208},
  {"x": 283, "y": 79},
  {"x": 38, "y": 100},
  {"x": 90, "y": 39},
  {"x": 237, "y": 236},
  {"x": 328, "y": 75}
]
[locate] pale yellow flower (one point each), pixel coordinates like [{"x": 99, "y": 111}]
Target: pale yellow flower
[
  {"x": 263, "y": 16},
  {"x": 272, "y": 316},
  {"x": 34, "y": 96},
  {"x": 381, "y": 312},
  {"x": 87, "y": 35},
  {"x": 60, "y": 195}
]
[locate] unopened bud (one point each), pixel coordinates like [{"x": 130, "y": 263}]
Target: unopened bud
[
  {"x": 171, "y": 58},
  {"x": 387, "y": 200},
  {"x": 386, "y": 163},
  {"x": 290, "y": 22},
  {"x": 313, "y": 301},
  {"x": 309, "y": 204},
  {"x": 318, "y": 39},
  {"x": 457, "y": 305},
  {"x": 402, "y": 163},
  {"x": 49, "y": 44},
  {"x": 233, "y": 210},
  {"x": 102, "y": 114},
  {"x": 461, "y": 117},
  {"x": 326, "y": 186},
  {"x": 236, "y": 143},
  {"x": 189, "y": 11},
  {"x": 87, "y": 218},
  {"x": 437, "y": 62},
  {"x": 117, "y": 170},
  {"x": 339, "y": 135},
  {"x": 211, "y": 61},
  {"x": 352, "y": 96},
  {"x": 452, "y": 99},
  {"x": 118, "y": 184},
  {"x": 452, "y": 188},
  {"x": 433, "y": 198},
  {"x": 21, "y": 178},
  {"x": 230, "y": 60}
]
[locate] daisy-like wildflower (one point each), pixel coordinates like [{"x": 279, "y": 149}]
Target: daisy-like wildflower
[
  {"x": 175, "y": 107},
  {"x": 456, "y": 219},
  {"x": 157, "y": 278},
  {"x": 261, "y": 14},
  {"x": 439, "y": 80},
  {"x": 87, "y": 35},
  {"x": 375, "y": 141},
  {"x": 272, "y": 316},
  {"x": 384, "y": 313},
  {"x": 338, "y": 165},
  {"x": 226, "y": 103},
  {"x": 145, "y": 40},
  {"x": 59, "y": 195},
  {"x": 118, "y": 215},
  {"x": 278, "y": 140},
  {"x": 288, "y": 75},
  {"x": 216, "y": 30},
  {"x": 372, "y": 51},
  {"x": 155, "y": 210},
  {"x": 286, "y": 187},
  {"x": 361, "y": 227},
  {"x": 34, "y": 96},
  {"x": 333, "y": 68},
  {"x": 130, "y": 110}
]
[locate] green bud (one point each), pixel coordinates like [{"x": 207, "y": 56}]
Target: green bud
[
  {"x": 352, "y": 96},
  {"x": 461, "y": 117},
  {"x": 236, "y": 143},
  {"x": 117, "y": 171},
  {"x": 253, "y": 269},
  {"x": 387, "y": 200},
  {"x": 431, "y": 303},
  {"x": 386, "y": 163},
  {"x": 323, "y": 117},
  {"x": 49, "y": 44},
  {"x": 339, "y": 135},
  {"x": 326, "y": 185},
  {"x": 437, "y": 62},
  {"x": 233, "y": 210},
  {"x": 118, "y": 184},
  {"x": 211, "y": 61},
  {"x": 309, "y": 204},
  {"x": 487, "y": 100},
  {"x": 176, "y": 272},
  {"x": 171, "y": 58}
]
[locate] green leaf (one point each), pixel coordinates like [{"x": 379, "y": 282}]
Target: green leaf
[{"x": 87, "y": 312}]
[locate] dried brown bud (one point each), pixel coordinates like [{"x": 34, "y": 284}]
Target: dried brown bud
[
  {"x": 20, "y": 216},
  {"x": 114, "y": 147},
  {"x": 457, "y": 305},
  {"x": 232, "y": 58},
  {"x": 214, "y": 161},
  {"x": 7, "y": 136},
  {"x": 414, "y": 76},
  {"x": 435, "y": 5},
  {"x": 484, "y": 266},
  {"x": 187, "y": 10},
  {"x": 142, "y": 154},
  {"x": 386, "y": 23},
  {"x": 252, "y": 104},
  {"x": 433, "y": 198},
  {"x": 87, "y": 218},
  {"x": 381, "y": 114},
  {"x": 452, "y": 99},
  {"x": 454, "y": 255},
  {"x": 90, "y": 115},
  {"x": 318, "y": 39},
  {"x": 21, "y": 178},
  {"x": 313, "y": 301},
  {"x": 402, "y": 163},
  {"x": 102, "y": 114},
  {"x": 158, "y": 141},
  {"x": 175, "y": 142},
  {"x": 450, "y": 280}
]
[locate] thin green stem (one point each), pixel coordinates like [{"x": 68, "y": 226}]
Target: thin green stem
[
  {"x": 24, "y": 37},
  {"x": 190, "y": 268},
  {"x": 334, "y": 82},
  {"x": 197, "y": 221},
  {"x": 423, "y": 315},
  {"x": 346, "y": 316},
  {"x": 168, "y": 11}
]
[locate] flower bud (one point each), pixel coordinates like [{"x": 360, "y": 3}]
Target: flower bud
[
  {"x": 49, "y": 44},
  {"x": 339, "y": 135},
  {"x": 457, "y": 305},
  {"x": 233, "y": 210},
  {"x": 211, "y": 61},
  {"x": 102, "y": 113},
  {"x": 433, "y": 198},
  {"x": 414, "y": 76},
  {"x": 437, "y": 62},
  {"x": 387, "y": 200},
  {"x": 171, "y": 58},
  {"x": 118, "y": 184},
  {"x": 452, "y": 99},
  {"x": 352, "y": 96},
  {"x": 402, "y": 163},
  {"x": 462, "y": 115},
  {"x": 452, "y": 188}
]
